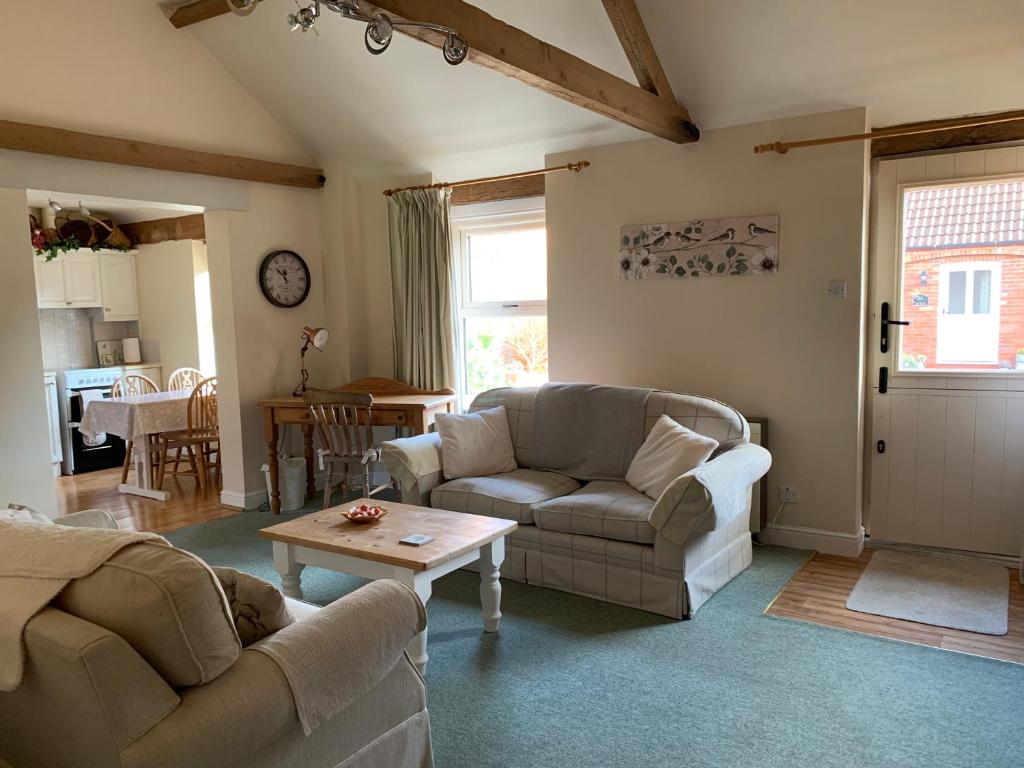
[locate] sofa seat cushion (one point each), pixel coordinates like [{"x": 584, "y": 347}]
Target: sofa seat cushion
[
  {"x": 607, "y": 509},
  {"x": 510, "y": 495}
]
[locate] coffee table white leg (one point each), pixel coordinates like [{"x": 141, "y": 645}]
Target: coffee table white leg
[
  {"x": 420, "y": 583},
  {"x": 491, "y": 557},
  {"x": 290, "y": 571}
]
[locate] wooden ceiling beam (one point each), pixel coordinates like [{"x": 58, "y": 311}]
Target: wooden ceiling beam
[
  {"x": 190, "y": 227},
  {"x": 952, "y": 138},
  {"x": 492, "y": 191},
  {"x": 643, "y": 58},
  {"x": 512, "y": 52},
  {"x": 200, "y": 10},
  {"x": 44, "y": 140}
]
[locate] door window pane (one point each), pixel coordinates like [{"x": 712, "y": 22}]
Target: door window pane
[
  {"x": 982, "y": 292},
  {"x": 957, "y": 293},
  {"x": 505, "y": 351},
  {"x": 508, "y": 266}
]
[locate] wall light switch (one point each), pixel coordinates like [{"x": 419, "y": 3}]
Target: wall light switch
[{"x": 837, "y": 289}]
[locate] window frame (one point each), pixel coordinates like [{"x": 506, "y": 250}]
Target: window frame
[
  {"x": 501, "y": 216},
  {"x": 896, "y": 332}
]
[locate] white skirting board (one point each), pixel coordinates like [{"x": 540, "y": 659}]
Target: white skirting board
[
  {"x": 826, "y": 542},
  {"x": 252, "y": 499}
]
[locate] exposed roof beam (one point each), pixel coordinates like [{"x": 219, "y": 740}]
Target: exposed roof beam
[
  {"x": 191, "y": 227},
  {"x": 44, "y": 140},
  {"x": 969, "y": 136},
  {"x": 512, "y": 52},
  {"x": 629, "y": 26},
  {"x": 197, "y": 11},
  {"x": 505, "y": 189}
]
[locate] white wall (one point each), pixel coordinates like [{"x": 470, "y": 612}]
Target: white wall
[
  {"x": 26, "y": 476},
  {"x": 773, "y": 346},
  {"x": 167, "y": 306},
  {"x": 156, "y": 84}
]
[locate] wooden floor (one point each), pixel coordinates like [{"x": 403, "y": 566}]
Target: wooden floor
[
  {"x": 819, "y": 591},
  {"x": 99, "y": 490}
]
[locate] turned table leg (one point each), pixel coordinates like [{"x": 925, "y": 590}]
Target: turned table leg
[
  {"x": 491, "y": 557},
  {"x": 289, "y": 570},
  {"x": 420, "y": 583}
]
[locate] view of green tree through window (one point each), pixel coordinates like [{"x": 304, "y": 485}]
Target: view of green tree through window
[{"x": 502, "y": 295}]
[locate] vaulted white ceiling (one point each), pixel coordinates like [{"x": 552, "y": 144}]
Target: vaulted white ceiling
[{"x": 729, "y": 62}]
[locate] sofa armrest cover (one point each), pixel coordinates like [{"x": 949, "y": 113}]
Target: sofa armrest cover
[
  {"x": 415, "y": 462},
  {"x": 344, "y": 650},
  {"x": 709, "y": 496},
  {"x": 88, "y": 518}
]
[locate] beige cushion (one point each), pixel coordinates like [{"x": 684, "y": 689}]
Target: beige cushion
[
  {"x": 167, "y": 604},
  {"x": 510, "y": 496},
  {"x": 669, "y": 451},
  {"x": 475, "y": 444},
  {"x": 608, "y": 509},
  {"x": 257, "y": 606}
]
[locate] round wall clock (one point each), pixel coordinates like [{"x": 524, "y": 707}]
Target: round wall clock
[{"x": 284, "y": 279}]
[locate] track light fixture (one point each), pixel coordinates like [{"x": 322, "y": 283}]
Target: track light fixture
[{"x": 380, "y": 27}]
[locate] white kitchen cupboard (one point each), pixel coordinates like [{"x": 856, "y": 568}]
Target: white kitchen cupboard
[
  {"x": 85, "y": 278},
  {"x": 53, "y": 419},
  {"x": 69, "y": 281},
  {"x": 119, "y": 287}
]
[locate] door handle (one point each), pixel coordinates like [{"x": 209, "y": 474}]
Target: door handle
[{"x": 886, "y": 322}]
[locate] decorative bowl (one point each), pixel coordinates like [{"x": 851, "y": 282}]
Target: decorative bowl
[{"x": 365, "y": 513}]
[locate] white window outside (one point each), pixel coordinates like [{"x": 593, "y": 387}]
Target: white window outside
[{"x": 500, "y": 295}]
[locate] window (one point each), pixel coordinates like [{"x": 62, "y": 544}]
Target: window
[
  {"x": 962, "y": 277},
  {"x": 501, "y": 296}
]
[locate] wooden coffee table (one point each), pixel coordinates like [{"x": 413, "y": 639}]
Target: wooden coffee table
[{"x": 326, "y": 539}]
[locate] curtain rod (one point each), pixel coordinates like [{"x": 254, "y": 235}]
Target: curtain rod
[
  {"x": 574, "y": 167},
  {"x": 782, "y": 147}
]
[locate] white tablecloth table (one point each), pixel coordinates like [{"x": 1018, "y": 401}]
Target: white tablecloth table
[{"x": 135, "y": 418}]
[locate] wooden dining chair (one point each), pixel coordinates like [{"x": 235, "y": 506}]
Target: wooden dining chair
[
  {"x": 200, "y": 440},
  {"x": 184, "y": 379},
  {"x": 344, "y": 423},
  {"x": 130, "y": 385}
]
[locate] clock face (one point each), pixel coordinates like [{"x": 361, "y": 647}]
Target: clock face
[{"x": 284, "y": 279}]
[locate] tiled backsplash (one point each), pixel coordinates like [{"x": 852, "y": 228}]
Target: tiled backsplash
[{"x": 69, "y": 337}]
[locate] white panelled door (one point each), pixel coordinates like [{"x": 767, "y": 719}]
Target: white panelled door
[{"x": 944, "y": 463}]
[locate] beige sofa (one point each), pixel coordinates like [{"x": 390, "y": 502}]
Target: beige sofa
[
  {"x": 602, "y": 538},
  {"x": 91, "y": 696}
]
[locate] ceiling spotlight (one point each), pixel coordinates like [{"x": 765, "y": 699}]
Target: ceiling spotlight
[
  {"x": 455, "y": 49},
  {"x": 83, "y": 210},
  {"x": 242, "y": 7},
  {"x": 55, "y": 206},
  {"x": 378, "y": 34},
  {"x": 304, "y": 18}
]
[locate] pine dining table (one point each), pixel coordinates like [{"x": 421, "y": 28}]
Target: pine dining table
[{"x": 395, "y": 404}]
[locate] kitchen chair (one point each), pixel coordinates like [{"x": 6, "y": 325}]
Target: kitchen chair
[
  {"x": 343, "y": 421},
  {"x": 200, "y": 441},
  {"x": 184, "y": 379},
  {"x": 130, "y": 385}
]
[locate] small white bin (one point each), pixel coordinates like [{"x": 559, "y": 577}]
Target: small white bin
[{"x": 291, "y": 482}]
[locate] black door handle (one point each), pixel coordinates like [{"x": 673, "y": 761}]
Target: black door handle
[{"x": 886, "y": 322}]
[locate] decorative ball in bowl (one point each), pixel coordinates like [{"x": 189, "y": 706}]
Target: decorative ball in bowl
[{"x": 365, "y": 513}]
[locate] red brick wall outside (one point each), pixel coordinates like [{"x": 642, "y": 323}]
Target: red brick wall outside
[{"x": 919, "y": 338}]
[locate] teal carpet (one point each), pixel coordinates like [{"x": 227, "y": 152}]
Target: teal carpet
[{"x": 570, "y": 681}]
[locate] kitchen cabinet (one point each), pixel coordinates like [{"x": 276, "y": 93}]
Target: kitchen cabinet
[
  {"x": 118, "y": 286},
  {"x": 69, "y": 281},
  {"x": 53, "y": 419},
  {"x": 85, "y": 278}
]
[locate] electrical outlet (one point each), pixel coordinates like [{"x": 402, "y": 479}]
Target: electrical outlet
[{"x": 787, "y": 494}]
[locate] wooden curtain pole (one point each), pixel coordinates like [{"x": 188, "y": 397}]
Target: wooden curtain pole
[
  {"x": 782, "y": 147},
  {"x": 574, "y": 167}
]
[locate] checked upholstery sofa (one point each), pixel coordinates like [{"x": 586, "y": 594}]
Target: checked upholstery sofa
[{"x": 602, "y": 538}]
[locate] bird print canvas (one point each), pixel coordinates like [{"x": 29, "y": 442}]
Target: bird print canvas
[{"x": 747, "y": 245}]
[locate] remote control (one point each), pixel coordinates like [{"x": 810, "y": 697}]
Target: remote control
[{"x": 416, "y": 540}]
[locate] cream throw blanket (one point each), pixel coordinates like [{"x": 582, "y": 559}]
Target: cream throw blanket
[{"x": 37, "y": 560}]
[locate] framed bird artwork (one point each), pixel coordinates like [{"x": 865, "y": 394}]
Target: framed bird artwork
[{"x": 733, "y": 247}]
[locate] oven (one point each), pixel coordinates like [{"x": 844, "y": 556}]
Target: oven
[{"x": 83, "y": 454}]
